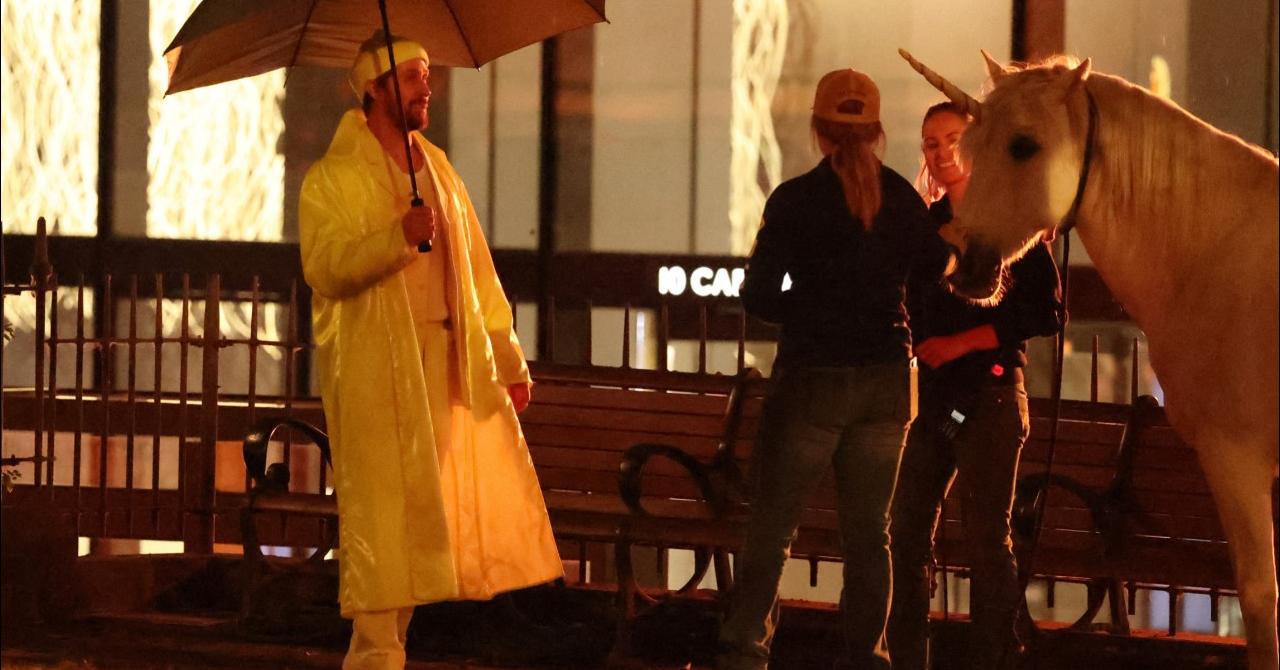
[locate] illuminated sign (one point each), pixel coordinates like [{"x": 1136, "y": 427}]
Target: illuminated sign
[{"x": 704, "y": 281}]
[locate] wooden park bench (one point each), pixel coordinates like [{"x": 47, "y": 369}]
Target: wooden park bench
[
  {"x": 1127, "y": 509},
  {"x": 632, "y": 457},
  {"x": 581, "y": 421}
]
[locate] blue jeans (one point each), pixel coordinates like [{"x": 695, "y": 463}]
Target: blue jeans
[{"x": 853, "y": 420}]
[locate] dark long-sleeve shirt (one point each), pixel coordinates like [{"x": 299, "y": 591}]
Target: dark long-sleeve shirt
[
  {"x": 845, "y": 305},
  {"x": 1031, "y": 307}
]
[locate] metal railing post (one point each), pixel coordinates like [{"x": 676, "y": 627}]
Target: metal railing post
[
  {"x": 199, "y": 531},
  {"x": 41, "y": 272}
]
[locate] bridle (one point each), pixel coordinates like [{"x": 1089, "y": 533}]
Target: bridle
[{"x": 1069, "y": 220}]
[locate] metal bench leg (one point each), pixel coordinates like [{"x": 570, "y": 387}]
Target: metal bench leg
[
  {"x": 1098, "y": 589},
  {"x": 1119, "y": 608},
  {"x": 724, "y": 572},
  {"x": 1111, "y": 590},
  {"x": 253, "y": 564},
  {"x": 628, "y": 590}
]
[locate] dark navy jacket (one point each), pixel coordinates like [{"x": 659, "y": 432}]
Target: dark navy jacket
[
  {"x": 845, "y": 305},
  {"x": 1031, "y": 307}
]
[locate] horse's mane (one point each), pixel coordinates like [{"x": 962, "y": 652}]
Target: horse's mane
[{"x": 1158, "y": 157}]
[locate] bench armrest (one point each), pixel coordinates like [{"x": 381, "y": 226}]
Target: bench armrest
[
  {"x": 255, "y": 451},
  {"x": 631, "y": 475},
  {"x": 1110, "y": 508}
]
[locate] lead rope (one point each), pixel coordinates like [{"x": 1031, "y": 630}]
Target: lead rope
[
  {"x": 1064, "y": 229},
  {"x": 1060, "y": 358},
  {"x": 1024, "y": 567}
]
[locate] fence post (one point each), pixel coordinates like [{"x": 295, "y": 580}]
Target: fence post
[
  {"x": 41, "y": 272},
  {"x": 199, "y": 532}
]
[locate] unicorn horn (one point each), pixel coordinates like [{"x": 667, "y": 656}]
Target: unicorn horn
[{"x": 966, "y": 101}]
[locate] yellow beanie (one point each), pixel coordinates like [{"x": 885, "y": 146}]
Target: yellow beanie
[{"x": 370, "y": 65}]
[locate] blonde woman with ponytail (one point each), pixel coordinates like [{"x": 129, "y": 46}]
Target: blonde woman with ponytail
[{"x": 847, "y": 234}]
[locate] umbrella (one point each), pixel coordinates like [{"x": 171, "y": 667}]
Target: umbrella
[{"x": 224, "y": 40}]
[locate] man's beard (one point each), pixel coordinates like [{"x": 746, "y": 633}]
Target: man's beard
[
  {"x": 415, "y": 122},
  {"x": 405, "y": 117}
]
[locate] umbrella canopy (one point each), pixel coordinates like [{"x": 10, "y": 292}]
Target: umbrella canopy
[{"x": 229, "y": 39}]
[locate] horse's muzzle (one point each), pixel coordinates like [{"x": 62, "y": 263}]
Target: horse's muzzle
[{"x": 977, "y": 271}]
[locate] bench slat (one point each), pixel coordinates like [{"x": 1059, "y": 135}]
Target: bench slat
[
  {"x": 667, "y": 423},
  {"x": 601, "y": 461},
  {"x": 306, "y": 504},
  {"x": 612, "y": 398},
  {"x": 572, "y": 479},
  {"x": 614, "y": 440}
]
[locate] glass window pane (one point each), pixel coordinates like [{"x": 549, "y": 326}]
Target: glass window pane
[
  {"x": 684, "y": 154},
  {"x": 641, "y": 128},
  {"x": 237, "y": 319},
  {"x": 1210, "y": 58},
  {"x": 20, "y": 337},
  {"x": 494, "y": 138},
  {"x": 49, "y": 116},
  {"x": 830, "y": 34},
  {"x": 213, "y": 156}
]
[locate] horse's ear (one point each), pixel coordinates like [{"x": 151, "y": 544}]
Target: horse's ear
[
  {"x": 1081, "y": 72},
  {"x": 994, "y": 69}
]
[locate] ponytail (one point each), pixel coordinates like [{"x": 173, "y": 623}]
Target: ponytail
[{"x": 856, "y": 161}]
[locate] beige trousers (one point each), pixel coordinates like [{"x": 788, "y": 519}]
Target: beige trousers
[
  {"x": 440, "y": 368},
  {"x": 377, "y": 640}
]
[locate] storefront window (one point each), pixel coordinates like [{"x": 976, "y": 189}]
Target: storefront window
[
  {"x": 49, "y": 93},
  {"x": 214, "y": 162}
]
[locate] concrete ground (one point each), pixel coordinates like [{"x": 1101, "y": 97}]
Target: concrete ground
[
  {"x": 679, "y": 638},
  {"x": 184, "y": 613}
]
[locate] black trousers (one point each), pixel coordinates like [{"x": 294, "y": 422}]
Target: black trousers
[{"x": 984, "y": 453}]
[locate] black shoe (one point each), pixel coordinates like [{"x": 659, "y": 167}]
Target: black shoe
[{"x": 510, "y": 636}]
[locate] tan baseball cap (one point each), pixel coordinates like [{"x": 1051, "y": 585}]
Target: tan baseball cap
[{"x": 847, "y": 96}]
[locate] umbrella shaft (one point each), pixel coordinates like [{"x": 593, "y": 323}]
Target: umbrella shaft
[{"x": 395, "y": 82}]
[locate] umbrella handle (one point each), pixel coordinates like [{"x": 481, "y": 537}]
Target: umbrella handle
[{"x": 425, "y": 245}]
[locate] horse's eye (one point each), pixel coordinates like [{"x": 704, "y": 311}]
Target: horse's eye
[{"x": 1022, "y": 147}]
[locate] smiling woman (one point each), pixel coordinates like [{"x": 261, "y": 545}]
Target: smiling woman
[
  {"x": 941, "y": 169},
  {"x": 973, "y": 421}
]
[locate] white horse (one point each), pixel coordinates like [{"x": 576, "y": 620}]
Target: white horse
[{"x": 1181, "y": 221}]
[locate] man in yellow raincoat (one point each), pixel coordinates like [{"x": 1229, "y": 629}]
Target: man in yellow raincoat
[{"x": 420, "y": 371}]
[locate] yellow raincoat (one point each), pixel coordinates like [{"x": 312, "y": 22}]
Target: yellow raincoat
[{"x": 419, "y": 522}]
